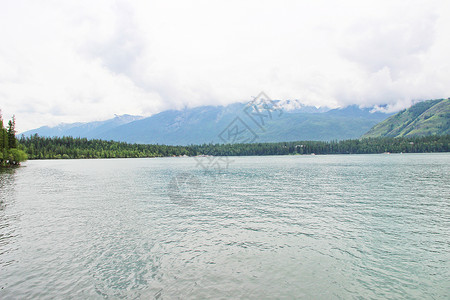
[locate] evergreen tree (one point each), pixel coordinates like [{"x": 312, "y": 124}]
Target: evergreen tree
[
  {"x": 9, "y": 153},
  {"x": 2, "y": 142},
  {"x": 12, "y": 142}
]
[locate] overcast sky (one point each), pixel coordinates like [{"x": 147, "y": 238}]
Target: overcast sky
[{"x": 67, "y": 61}]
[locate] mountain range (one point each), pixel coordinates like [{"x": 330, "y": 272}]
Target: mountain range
[
  {"x": 88, "y": 130},
  {"x": 238, "y": 122},
  {"x": 430, "y": 117}
]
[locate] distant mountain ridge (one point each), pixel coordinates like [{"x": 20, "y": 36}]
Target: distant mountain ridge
[
  {"x": 87, "y": 130},
  {"x": 206, "y": 124},
  {"x": 430, "y": 117}
]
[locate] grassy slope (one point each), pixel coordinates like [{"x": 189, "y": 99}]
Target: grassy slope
[{"x": 425, "y": 118}]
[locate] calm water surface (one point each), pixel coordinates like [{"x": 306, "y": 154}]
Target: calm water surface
[{"x": 314, "y": 227}]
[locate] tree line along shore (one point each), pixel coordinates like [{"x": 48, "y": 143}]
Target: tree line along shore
[{"x": 37, "y": 147}]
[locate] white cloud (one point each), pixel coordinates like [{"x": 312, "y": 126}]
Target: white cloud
[{"x": 87, "y": 60}]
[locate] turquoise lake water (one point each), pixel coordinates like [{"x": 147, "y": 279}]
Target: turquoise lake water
[{"x": 273, "y": 227}]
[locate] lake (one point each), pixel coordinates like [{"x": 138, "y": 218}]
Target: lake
[{"x": 313, "y": 227}]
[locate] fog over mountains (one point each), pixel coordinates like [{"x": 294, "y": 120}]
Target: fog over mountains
[{"x": 216, "y": 124}]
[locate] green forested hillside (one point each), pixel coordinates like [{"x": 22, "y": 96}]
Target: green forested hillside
[{"x": 425, "y": 118}]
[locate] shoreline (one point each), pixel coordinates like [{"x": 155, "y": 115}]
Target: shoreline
[{"x": 265, "y": 155}]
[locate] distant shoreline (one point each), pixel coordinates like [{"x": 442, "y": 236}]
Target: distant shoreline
[
  {"x": 328, "y": 154},
  {"x": 79, "y": 148}
]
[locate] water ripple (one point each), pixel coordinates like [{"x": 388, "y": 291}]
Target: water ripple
[{"x": 322, "y": 227}]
